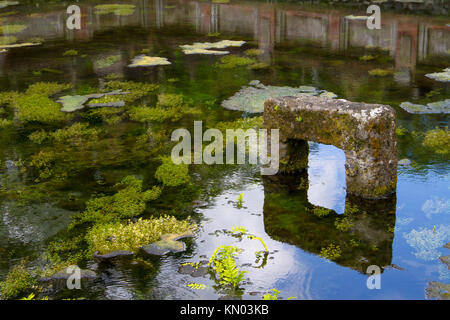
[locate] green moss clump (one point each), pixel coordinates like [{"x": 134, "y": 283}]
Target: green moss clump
[
  {"x": 321, "y": 212},
  {"x": 380, "y": 72},
  {"x": 438, "y": 140},
  {"x": 128, "y": 202},
  {"x": 233, "y": 61},
  {"x": 171, "y": 174},
  {"x": 146, "y": 114},
  {"x": 253, "y": 52},
  {"x": 5, "y": 123},
  {"x": 135, "y": 90},
  {"x": 18, "y": 282},
  {"x": 75, "y": 132},
  {"x": 242, "y": 123},
  {"x": 5, "y": 40},
  {"x": 109, "y": 237},
  {"x": 343, "y": 224},
  {"x": 170, "y": 100},
  {"x": 12, "y": 28},
  {"x": 332, "y": 252},
  {"x": 47, "y": 88},
  {"x": 400, "y": 131},
  {"x": 107, "y": 61},
  {"x": 39, "y": 108},
  {"x": 70, "y": 53},
  {"x": 38, "y": 136}
]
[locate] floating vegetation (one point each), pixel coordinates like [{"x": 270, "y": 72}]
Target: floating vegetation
[
  {"x": 128, "y": 202},
  {"x": 159, "y": 114},
  {"x": 146, "y": 61},
  {"x": 253, "y": 52},
  {"x": 443, "y": 76},
  {"x": 438, "y": 140},
  {"x": 117, "y": 9},
  {"x": 205, "y": 47},
  {"x": 366, "y": 58},
  {"x": 134, "y": 90},
  {"x": 107, "y": 61},
  {"x": 233, "y": 61},
  {"x": 70, "y": 53},
  {"x": 196, "y": 286},
  {"x": 343, "y": 224},
  {"x": 105, "y": 238},
  {"x": 12, "y": 28},
  {"x": 251, "y": 98},
  {"x": 171, "y": 174},
  {"x": 380, "y": 72},
  {"x": 332, "y": 252}
]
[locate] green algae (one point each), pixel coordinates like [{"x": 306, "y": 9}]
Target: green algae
[
  {"x": 116, "y": 9},
  {"x": 38, "y": 108},
  {"x": 12, "y": 28},
  {"x": 233, "y": 61},
  {"x": 438, "y": 140},
  {"x": 170, "y": 100},
  {"x": 129, "y": 201},
  {"x": 171, "y": 174}
]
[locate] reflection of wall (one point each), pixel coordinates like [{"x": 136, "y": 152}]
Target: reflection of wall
[{"x": 288, "y": 217}]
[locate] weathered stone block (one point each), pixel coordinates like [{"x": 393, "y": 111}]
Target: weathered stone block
[{"x": 366, "y": 133}]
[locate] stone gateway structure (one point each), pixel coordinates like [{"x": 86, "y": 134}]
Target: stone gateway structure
[{"x": 366, "y": 133}]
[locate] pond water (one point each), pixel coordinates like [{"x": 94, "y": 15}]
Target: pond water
[{"x": 301, "y": 44}]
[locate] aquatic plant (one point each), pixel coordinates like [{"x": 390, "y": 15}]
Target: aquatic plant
[
  {"x": 39, "y": 108},
  {"x": 12, "y": 28},
  {"x": 253, "y": 52},
  {"x": 321, "y": 212},
  {"x": 171, "y": 174},
  {"x": 75, "y": 134},
  {"x": 128, "y": 202},
  {"x": 109, "y": 237},
  {"x": 107, "y": 61},
  {"x": 116, "y": 9},
  {"x": 70, "y": 53},
  {"x": 240, "y": 200},
  {"x": 43, "y": 161},
  {"x": 400, "y": 131},
  {"x": 241, "y": 231},
  {"x": 233, "y": 61},
  {"x": 196, "y": 286},
  {"x": 5, "y": 123},
  {"x": 343, "y": 224},
  {"x": 223, "y": 264},
  {"x": 134, "y": 90},
  {"x": 170, "y": 100},
  {"x": 274, "y": 296},
  {"x": 47, "y": 88},
  {"x": 18, "y": 281},
  {"x": 438, "y": 140},
  {"x": 332, "y": 252},
  {"x": 380, "y": 72}
]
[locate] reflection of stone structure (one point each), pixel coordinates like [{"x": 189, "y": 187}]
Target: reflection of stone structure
[
  {"x": 289, "y": 217},
  {"x": 366, "y": 132}
]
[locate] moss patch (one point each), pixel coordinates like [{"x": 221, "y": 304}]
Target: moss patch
[{"x": 171, "y": 174}]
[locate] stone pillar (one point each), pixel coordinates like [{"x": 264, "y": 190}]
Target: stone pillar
[{"x": 366, "y": 133}]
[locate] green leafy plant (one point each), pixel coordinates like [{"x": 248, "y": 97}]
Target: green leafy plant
[
  {"x": 242, "y": 231},
  {"x": 223, "y": 263},
  {"x": 240, "y": 200},
  {"x": 196, "y": 286},
  {"x": 274, "y": 296}
]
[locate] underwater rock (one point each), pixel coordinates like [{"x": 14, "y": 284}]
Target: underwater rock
[
  {"x": 443, "y": 76},
  {"x": 446, "y": 260},
  {"x": 113, "y": 254},
  {"x": 19, "y": 45},
  {"x": 168, "y": 243},
  {"x": 366, "y": 133},
  {"x": 404, "y": 162},
  {"x": 73, "y": 103},
  {"x": 251, "y": 98},
  {"x": 146, "y": 61},
  {"x": 64, "y": 275},
  {"x": 204, "y": 47},
  {"x": 195, "y": 272},
  {"x": 4, "y": 4},
  {"x": 434, "y": 107}
]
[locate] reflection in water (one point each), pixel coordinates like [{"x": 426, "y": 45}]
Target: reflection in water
[{"x": 289, "y": 217}]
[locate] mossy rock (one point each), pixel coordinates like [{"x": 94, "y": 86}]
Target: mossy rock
[{"x": 168, "y": 243}]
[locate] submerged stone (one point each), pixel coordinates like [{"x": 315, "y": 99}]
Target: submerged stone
[
  {"x": 168, "y": 243},
  {"x": 443, "y": 76},
  {"x": 146, "y": 61},
  {"x": 64, "y": 275},
  {"x": 113, "y": 254},
  {"x": 74, "y": 103},
  {"x": 434, "y": 107},
  {"x": 204, "y": 47},
  {"x": 251, "y": 98}
]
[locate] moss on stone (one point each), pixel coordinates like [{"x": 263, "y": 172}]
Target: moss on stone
[
  {"x": 106, "y": 238},
  {"x": 171, "y": 174},
  {"x": 19, "y": 281}
]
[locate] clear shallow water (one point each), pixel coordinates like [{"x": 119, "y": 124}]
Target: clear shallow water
[{"x": 303, "y": 45}]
